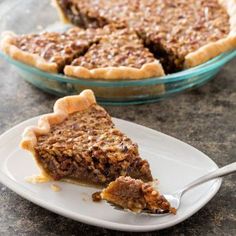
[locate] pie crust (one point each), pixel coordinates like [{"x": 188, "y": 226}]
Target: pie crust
[
  {"x": 61, "y": 14},
  {"x": 121, "y": 72},
  {"x": 7, "y": 46}
]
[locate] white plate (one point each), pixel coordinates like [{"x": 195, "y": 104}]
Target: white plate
[{"x": 173, "y": 162}]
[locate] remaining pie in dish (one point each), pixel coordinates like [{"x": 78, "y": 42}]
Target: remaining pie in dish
[
  {"x": 181, "y": 34},
  {"x": 49, "y": 51},
  {"x": 80, "y": 143},
  {"x": 118, "y": 55},
  {"x": 135, "y": 195}
]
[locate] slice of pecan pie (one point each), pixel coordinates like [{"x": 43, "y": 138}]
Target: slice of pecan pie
[
  {"x": 79, "y": 142},
  {"x": 135, "y": 195},
  {"x": 181, "y": 34},
  {"x": 49, "y": 51},
  {"x": 118, "y": 55}
]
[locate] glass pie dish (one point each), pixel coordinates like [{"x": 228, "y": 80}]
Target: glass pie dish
[{"x": 109, "y": 92}]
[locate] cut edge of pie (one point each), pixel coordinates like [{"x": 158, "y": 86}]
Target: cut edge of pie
[
  {"x": 214, "y": 49},
  {"x": 121, "y": 72},
  {"x": 136, "y": 196},
  {"x": 64, "y": 19},
  {"x": 62, "y": 108},
  {"x": 7, "y": 45}
]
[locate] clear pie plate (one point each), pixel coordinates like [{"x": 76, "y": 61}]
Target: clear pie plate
[{"x": 35, "y": 16}]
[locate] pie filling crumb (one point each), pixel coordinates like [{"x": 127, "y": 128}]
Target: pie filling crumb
[
  {"x": 96, "y": 197},
  {"x": 135, "y": 195},
  {"x": 55, "y": 188},
  {"x": 86, "y": 147}
]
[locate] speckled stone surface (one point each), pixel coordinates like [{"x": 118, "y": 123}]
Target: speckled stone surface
[{"x": 204, "y": 118}]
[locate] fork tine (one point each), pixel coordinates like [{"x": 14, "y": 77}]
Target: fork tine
[{"x": 116, "y": 206}]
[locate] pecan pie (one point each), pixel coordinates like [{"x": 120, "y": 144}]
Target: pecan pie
[
  {"x": 79, "y": 142},
  {"x": 182, "y": 34},
  {"x": 118, "y": 55},
  {"x": 49, "y": 51},
  {"x": 135, "y": 195}
]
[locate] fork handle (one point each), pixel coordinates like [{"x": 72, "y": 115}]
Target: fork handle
[{"x": 228, "y": 169}]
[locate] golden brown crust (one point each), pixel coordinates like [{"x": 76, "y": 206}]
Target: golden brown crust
[
  {"x": 61, "y": 14},
  {"x": 122, "y": 72},
  {"x": 230, "y": 6},
  {"x": 214, "y": 49},
  {"x": 8, "y": 46}
]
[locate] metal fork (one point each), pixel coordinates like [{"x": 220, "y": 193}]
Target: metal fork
[{"x": 175, "y": 199}]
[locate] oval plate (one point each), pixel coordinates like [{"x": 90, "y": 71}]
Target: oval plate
[{"x": 173, "y": 162}]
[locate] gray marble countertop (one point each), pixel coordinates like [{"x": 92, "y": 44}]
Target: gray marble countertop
[{"x": 204, "y": 117}]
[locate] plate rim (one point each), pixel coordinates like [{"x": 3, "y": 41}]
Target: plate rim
[{"x": 32, "y": 197}]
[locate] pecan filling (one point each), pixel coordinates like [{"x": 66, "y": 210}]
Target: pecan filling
[
  {"x": 88, "y": 148},
  {"x": 170, "y": 29},
  {"x": 120, "y": 48}
]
